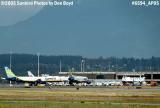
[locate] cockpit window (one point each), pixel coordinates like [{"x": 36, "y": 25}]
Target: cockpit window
[{"x": 85, "y": 79}]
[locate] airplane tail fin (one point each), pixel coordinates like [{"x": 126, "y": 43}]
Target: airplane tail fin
[
  {"x": 9, "y": 73},
  {"x": 30, "y": 74}
]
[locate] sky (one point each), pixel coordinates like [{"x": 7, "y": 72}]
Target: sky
[{"x": 90, "y": 28}]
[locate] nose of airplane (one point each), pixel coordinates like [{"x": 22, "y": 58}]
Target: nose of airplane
[
  {"x": 71, "y": 78},
  {"x": 88, "y": 82}
]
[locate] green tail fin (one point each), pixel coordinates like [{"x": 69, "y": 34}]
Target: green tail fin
[{"x": 9, "y": 73}]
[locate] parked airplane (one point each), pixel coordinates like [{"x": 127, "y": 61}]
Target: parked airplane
[
  {"x": 78, "y": 79},
  {"x": 72, "y": 79},
  {"x": 62, "y": 78},
  {"x": 31, "y": 79}
]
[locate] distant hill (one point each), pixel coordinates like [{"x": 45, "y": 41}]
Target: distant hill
[{"x": 91, "y": 28}]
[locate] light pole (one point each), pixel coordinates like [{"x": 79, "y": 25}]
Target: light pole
[
  {"x": 81, "y": 65},
  {"x": 109, "y": 67},
  {"x": 10, "y": 60},
  {"x": 10, "y": 66},
  {"x": 116, "y": 68},
  {"x": 38, "y": 63},
  {"x": 151, "y": 72},
  {"x": 60, "y": 66}
]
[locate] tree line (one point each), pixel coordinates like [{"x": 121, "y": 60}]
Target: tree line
[{"x": 21, "y": 63}]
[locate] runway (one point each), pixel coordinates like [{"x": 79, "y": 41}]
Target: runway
[{"x": 69, "y": 96}]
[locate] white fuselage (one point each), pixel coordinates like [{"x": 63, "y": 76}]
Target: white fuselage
[
  {"x": 133, "y": 79},
  {"x": 44, "y": 78},
  {"x": 80, "y": 78}
]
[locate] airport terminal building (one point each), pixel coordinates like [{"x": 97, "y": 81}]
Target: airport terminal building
[{"x": 116, "y": 75}]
